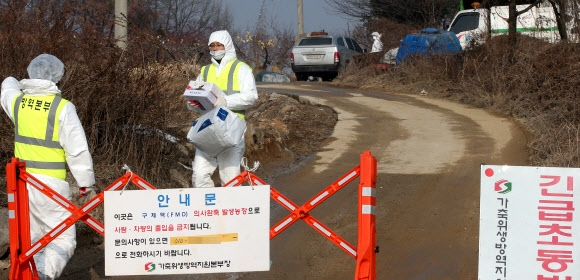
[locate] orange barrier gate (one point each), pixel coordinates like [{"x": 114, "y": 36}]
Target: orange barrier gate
[
  {"x": 21, "y": 251},
  {"x": 365, "y": 253}
]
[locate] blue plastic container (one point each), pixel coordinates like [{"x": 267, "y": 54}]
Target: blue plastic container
[{"x": 429, "y": 41}]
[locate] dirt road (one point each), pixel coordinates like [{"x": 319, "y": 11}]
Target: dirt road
[{"x": 428, "y": 151}]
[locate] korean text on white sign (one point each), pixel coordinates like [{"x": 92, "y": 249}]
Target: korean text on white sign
[
  {"x": 529, "y": 228},
  {"x": 187, "y": 231}
]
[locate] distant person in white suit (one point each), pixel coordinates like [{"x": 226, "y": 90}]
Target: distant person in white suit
[{"x": 377, "y": 44}]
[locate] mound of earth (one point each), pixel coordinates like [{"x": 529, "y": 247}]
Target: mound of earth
[{"x": 283, "y": 131}]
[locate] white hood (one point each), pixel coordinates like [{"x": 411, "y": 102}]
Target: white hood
[
  {"x": 224, "y": 38},
  {"x": 38, "y": 87},
  {"x": 248, "y": 94}
]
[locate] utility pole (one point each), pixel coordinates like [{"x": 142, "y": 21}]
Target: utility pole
[
  {"x": 121, "y": 23},
  {"x": 300, "y": 20}
]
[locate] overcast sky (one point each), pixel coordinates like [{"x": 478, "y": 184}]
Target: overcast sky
[{"x": 316, "y": 16}]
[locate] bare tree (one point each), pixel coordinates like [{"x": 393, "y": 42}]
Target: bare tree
[
  {"x": 356, "y": 9},
  {"x": 266, "y": 44},
  {"x": 180, "y": 26},
  {"x": 423, "y": 12},
  {"x": 181, "y": 17},
  {"x": 561, "y": 18},
  {"x": 512, "y": 25},
  {"x": 567, "y": 17}
]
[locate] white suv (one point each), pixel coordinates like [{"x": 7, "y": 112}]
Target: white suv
[{"x": 322, "y": 56}]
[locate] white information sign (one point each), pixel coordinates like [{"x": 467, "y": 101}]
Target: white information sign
[
  {"x": 528, "y": 223},
  {"x": 187, "y": 231}
]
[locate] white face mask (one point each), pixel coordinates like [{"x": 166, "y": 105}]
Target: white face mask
[{"x": 217, "y": 55}]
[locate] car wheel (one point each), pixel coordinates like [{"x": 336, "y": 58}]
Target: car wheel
[
  {"x": 346, "y": 65},
  {"x": 329, "y": 76},
  {"x": 301, "y": 77}
]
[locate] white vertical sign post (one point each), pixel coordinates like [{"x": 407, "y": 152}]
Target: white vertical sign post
[
  {"x": 187, "y": 231},
  {"x": 529, "y": 228}
]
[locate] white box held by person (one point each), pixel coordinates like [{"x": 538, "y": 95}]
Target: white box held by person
[
  {"x": 216, "y": 131},
  {"x": 205, "y": 96}
]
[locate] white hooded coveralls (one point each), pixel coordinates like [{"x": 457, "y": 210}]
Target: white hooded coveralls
[
  {"x": 228, "y": 161},
  {"x": 377, "y": 44},
  {"x": 45, "y": 214}
]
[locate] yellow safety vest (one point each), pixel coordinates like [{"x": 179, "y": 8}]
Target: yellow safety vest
[
  {"x": 36, "y": 140},
  {"x": 228, "y": 79}
]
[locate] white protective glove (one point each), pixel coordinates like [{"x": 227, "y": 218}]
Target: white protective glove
[{"x": 221, "y": 101}]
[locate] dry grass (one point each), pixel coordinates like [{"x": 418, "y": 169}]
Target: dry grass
[{"x": 539, "y": 89}]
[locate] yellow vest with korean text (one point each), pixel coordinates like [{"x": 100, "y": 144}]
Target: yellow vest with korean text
[
  {"x": 36, "y": 139},
  {"x": 228, "y": 79}
]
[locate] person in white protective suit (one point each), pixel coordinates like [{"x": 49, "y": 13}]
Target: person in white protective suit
[
  {"x": 236, "y": 80},
  {"x": 377, "y": 44},
  {"x": 48, "y": 135}
]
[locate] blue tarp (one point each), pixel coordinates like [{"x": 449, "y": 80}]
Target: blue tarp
[{"x": 429, "y": 41}]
